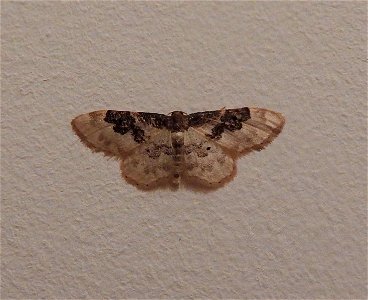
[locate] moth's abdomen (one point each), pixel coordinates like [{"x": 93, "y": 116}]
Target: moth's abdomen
[{"x": 177, "y": 140}]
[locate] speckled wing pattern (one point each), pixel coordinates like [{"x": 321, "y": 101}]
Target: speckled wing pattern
[{"x": 197, "y": 149}]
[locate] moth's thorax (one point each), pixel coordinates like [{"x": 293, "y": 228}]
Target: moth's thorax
[
  {"x": 177, "y": 139},
  {"x": 179, "y": 121}
]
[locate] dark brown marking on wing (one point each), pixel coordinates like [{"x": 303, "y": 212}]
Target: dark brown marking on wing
[
  {"x": 177, "y": 121},
  {"x": 231, "y": 120},
  {"x": 199, "y": 118},
  {"x": 138, "y": 134},
  {"x": 124, "y": 122},
  {"x": 153, "y": 119},
  {"x": 217, "y": 131}
]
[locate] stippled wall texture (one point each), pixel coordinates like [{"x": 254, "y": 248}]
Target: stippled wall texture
[{"x": 293, "y": 222}]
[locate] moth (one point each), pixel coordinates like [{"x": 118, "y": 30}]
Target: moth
[{"x": 197, "y": 149}]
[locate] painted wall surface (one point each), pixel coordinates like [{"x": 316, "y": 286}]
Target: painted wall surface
[{"x": 292, "y": 224}]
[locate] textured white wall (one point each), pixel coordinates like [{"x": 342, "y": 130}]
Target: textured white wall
[{"x": 293, "y": 222}]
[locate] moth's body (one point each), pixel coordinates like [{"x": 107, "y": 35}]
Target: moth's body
[
  {"x": 198, "y": 148},
  {"x": 177, "y": 142}
]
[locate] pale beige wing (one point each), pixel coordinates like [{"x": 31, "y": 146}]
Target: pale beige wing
[
  {"x": 116, "y": 133},
  {"x": 151, "y": 164},
  {"x": 205, "y": 163},
  {"x": 254, "y": 129}
]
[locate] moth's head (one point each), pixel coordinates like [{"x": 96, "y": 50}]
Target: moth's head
[
  {"x": 179, "y": 120},
  {"x": 178, "y": 114}
]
